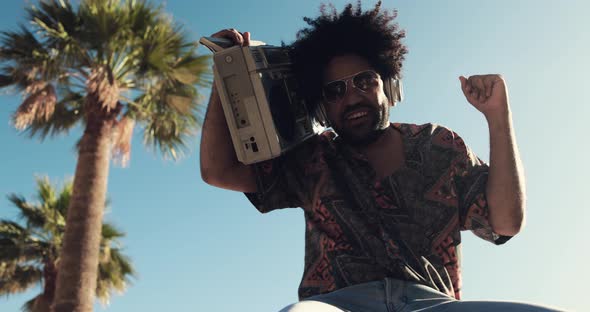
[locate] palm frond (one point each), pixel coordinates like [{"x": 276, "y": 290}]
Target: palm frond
[
  {"x": 123, "y": 262},
  {"x": 28, "y": 59},
  {"x": 169, "y": 105},
  {"x": 102, "y": 23},
  {"x": 168, "y": 111},
  {"x": 38, "y": 106},
  {"x": 54, "y": 220},
  {"x": 12, "y": 230},
  {"x": 59, "y": 28},
  {"x": 23, "y": 255},
  {"x": 32, "y": 214},
  {"x": 110, "y": 232},
  {"x": 68, "y": 111},
  {"x": 162, "y": 43},
  {"x": 20, "y": 244},
  {"x": 64, "y": 197},
  {"x": 194, "y": 69},
  {"x": 28, "y": 73},
  {"x": 114, "y": 275},
  {"x": 122, "y": 141},
  {"x": 20, "y": 46},
  {"x": 45, "y": 191},
  {"x": 161, "y": 49},
  {"x": 14, "y": 77},
  {"x": 140, "y": 15},
  {"x": 168, "y": 131},
  {"x": 46, "y": 218},
  {"x": 103, "y": 85},
  {"x": 32, "y": 61},
  {"x": 105, "y": 48},
  {"x": 15, "y": 251},
  {"x": 22, "y": 278}
]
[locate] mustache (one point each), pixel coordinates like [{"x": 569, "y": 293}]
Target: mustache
[{"x": 356, "y": 107}]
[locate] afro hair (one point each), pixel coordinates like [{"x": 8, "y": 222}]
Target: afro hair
[{"x": 372, "y": 35}]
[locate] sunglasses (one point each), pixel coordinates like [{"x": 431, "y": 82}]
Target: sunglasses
[{"x": 334, "y": 91}]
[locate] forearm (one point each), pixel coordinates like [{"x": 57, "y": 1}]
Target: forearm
[
  {"x": 505, "y": 192},
  {"x": 219, "y": 164}
]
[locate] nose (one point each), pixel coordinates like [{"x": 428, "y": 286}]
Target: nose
[{"x": 352, "y": 94}]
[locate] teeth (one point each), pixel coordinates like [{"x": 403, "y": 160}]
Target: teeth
[{"x": 356, "y": 115}]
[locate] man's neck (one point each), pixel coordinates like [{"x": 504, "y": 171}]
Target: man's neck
[
  {"x": 386, "y": 154},
  {"x": 385, "y": 138}
]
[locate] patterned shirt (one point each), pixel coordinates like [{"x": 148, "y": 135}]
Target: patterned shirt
[{"x": 360, "y": 229}]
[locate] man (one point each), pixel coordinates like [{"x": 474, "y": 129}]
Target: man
[{"x": 384, "y": 203}]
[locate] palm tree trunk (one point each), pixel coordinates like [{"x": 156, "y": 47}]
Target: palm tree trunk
[
  {"x": 78, "y": 266},
  {"x": 43, "y": 301},
  {"x": 42, "y": 304}
]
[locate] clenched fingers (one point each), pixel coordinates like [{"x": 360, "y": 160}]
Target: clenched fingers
[
  {"x": 478, "y": 88},
  {"x": 238, "y": 38}
]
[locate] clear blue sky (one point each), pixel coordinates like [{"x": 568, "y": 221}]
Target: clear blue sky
[{"x": 198, "y": 248}]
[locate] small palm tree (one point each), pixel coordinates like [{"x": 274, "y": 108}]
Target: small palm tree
[
  {"x": 107, "y": 64},
  {"x": 30, "y": 249}
]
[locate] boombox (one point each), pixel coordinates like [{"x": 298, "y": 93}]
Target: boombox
[
  {"x": 259, "y": 95},
  {"x": 264, "y": 113}
]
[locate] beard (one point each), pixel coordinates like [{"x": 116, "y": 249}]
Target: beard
[{"x": 368, "y": 131}]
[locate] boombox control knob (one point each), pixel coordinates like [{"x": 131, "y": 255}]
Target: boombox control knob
[{"x": 229, "y": 59}]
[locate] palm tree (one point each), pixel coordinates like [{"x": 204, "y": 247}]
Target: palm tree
[
  {"x": 106, "y": 64},
  {"x": 30, "y": 250}
]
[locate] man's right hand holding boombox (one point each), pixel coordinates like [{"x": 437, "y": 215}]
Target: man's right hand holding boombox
[{"x": 219, "y": 164}]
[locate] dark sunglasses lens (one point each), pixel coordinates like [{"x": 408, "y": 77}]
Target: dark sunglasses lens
[
  {"x": 334, "y": 90},
  {"x": 365, "y": 80}
]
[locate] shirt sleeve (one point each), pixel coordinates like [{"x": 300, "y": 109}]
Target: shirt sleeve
[
  {"x": 281, "y": 182},
  {"x": 470, "y": 175}
]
